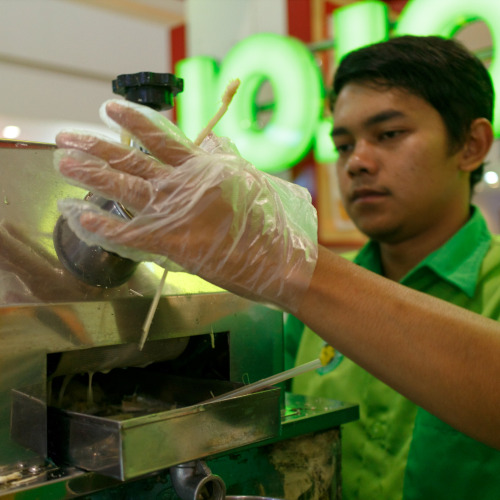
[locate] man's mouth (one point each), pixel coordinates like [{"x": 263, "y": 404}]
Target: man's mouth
[{"x": 367, "y": 194}]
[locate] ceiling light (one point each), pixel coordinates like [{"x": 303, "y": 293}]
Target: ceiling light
[{"x": 11, "y": 132}]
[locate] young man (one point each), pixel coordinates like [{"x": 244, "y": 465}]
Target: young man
[
  {"x": 412, "y": 127},
  {"x": 209, "y": 211}
]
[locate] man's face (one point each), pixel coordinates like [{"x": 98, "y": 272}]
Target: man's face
[{"x": 397, "y": 177}]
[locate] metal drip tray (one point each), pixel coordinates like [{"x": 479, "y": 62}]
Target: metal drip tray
[{"x": 163, "y": 423}]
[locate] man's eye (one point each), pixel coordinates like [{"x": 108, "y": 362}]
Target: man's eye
[
  {"x": 390, "y": 134},
  {"x": 343, "y": 148}
]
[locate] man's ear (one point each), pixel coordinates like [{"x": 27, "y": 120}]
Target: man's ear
[{"x": 477, "y": 145}]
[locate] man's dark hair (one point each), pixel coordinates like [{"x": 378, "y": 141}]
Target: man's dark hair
[{"x": 441, "y": 71}]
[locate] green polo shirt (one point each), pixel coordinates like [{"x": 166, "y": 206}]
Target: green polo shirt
[{"x": 379, "y": 458}]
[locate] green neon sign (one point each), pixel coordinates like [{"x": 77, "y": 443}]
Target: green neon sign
[
  {"x": 359, "y": 24},
  {"x": 297, "y": 99},
  {"x": 196, "y": 103},
  {"x": 288, "y": 68},
  {"x": 446, "y": 19}
]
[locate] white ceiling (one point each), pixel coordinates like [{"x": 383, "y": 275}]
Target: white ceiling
[{"x": 165, "y": 12}]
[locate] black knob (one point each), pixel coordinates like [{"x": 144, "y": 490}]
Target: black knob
[{"x": 156, "y": 90}]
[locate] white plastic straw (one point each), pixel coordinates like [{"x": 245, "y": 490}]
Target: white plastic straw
[
  {"x": 152, "y": 310},
  {"x": 269, "y": 381}
]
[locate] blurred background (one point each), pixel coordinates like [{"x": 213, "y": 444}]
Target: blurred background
[{"x": 59, "y": 57}]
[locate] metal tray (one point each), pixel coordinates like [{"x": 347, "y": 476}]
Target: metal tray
[{"x": 125, "y": 446}]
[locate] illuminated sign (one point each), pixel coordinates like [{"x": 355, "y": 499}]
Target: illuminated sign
[{"x": 288, "y": 70}]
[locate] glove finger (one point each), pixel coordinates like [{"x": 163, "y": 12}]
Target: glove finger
[
  {"x": 94, "y": 174},
  {"x": 154, "y": 131},
  {"x": 118, "y": 156}
]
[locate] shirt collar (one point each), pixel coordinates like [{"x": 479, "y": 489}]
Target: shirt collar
[{"x": 457, "y": 261}]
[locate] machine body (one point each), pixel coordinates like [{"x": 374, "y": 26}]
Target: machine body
[{"x": 85, "y": 414}]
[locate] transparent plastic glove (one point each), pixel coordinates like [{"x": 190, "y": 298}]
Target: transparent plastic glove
[{"x": 210, "y": 212}]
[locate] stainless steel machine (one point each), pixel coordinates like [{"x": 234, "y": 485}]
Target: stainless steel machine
[{"x": 84, "y": 413}]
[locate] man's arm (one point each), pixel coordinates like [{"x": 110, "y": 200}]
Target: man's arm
[{"x": 442, "y": 357}]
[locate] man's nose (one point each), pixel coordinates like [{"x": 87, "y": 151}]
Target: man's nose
[{"x": 362, "y": 159}]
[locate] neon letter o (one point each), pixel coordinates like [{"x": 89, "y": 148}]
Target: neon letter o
[
  {"x": 444, "y": 18},
  {"x": 297, "y": 87}
]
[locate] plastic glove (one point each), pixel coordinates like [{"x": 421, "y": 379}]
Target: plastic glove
[{"x": 209, "y": 212}]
